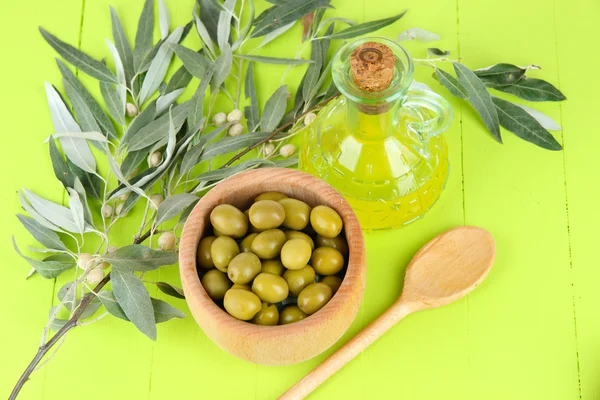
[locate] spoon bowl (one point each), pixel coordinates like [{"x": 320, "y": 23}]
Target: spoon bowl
[{"x": 447, "y": 268}]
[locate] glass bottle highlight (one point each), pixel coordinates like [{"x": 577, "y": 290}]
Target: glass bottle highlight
[{"x": 379, "y": 143}]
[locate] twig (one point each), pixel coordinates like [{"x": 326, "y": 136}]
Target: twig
[
  {"x": 71, "y": 323},
  {"x": 275, "y": 132}
]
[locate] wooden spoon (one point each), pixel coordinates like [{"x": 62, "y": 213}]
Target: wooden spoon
[{"x": 447, "y": 268}]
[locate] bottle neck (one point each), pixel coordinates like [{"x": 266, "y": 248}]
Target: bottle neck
[{"x": 373, "y": 121}]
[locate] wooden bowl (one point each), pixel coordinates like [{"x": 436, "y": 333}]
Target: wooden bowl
[{"x": 285, "y": 344}]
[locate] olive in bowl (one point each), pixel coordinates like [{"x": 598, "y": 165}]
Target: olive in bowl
[{"x": 298, "y": 335}]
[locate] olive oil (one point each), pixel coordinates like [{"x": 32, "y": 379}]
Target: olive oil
[{"x": 383, "y": 154}]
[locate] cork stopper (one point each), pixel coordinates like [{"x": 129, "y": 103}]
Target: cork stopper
[{"x": 372, "y": 66}]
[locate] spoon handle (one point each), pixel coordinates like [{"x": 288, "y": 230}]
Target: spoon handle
[{"x": 346, "y": 353}]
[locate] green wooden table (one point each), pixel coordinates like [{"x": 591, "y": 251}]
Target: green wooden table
[{"x": 531, "y": 331}]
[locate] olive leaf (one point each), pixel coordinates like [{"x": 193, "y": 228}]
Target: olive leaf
[
  {"x": 543, "y": 119},
  {"x": 159, "y": 66},
  {"x": 169, "y": 289},
  {"x": 91, "y": 103},
  {"x": 134, "y": 299},
  {"x": 196, "y": 112},
  {"x": 244, "y": 33},
  {"x": 269, "y": 37},
  {"x": 418, "y": 34},
  {"x": 122, "y": 44},
  {"x": 223, "y": 173},
  {"x": 364, "y": 28},
  {"x": 91, "y": 308},
  {"x": 500, "y": 74},
  {"x": 532, "y": 90},
  {"x": 75, "y": 149},
  {"x": 286, "y": 162},
  {"x": 230, "y": 144},
  {"x": 108, "y": 300},
  {"x": 143, "y": 37},
  {"x": 87, "y": 212},
  {"x": 158, "y": 129},
  {"x": 77, "y": 211},
  {"x": 79, "y": 59},
  {"x": 55, "y": 213},
  {"x": 57, "y": 323},
  {"x": 166, "y": 100},
  {"x": 48, "y": 269},
  {"x": 142, "y": 120},
  {"x": 172, "y": 206},
  {"x": 133, "y": 160},
  {"x": 67, "y": 295},
  {"x": 113, "y": 101},
  {"x": 434, "y": 51},
  {"x": 60, "y": 167},
  {"x": 209, "y": 16},
  {"x": 274, "y": 60},
  {"x": 169, "y": 152},
  {"x": 36, "y": 215},
  {"x": 479, "y": 98},
  {"x": 83, "y": 113},
  {"x": 192, "y": 156},
  {"x": 312, "y": 72},
  {"x": 91, "y": 182},
  {"x": 224, "y": 23},
  {"x": 519, "y": 122},
  {"x": 280, "y": 15},
  {"x": 251, "y": 111},
  {"x": 45, "y": 236},
  {"x": 203, "y": 33},
  {"x": 164, "y": 312},
  {"x": 121, "y": 87},
  {"x": 164, "y": 19},
  {"x": 222, "y": 67},
  {"x": 274, "y": 109},
  {"x": 194, "y": 62},
  {"x": 137, "y": 257},
  {"x": 180, "y": 80},
  {"x": 450, "y": 83}
]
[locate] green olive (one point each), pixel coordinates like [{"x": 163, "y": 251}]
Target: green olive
[
  {"x": 216, "y": 284},
  {"x": 203, "y": 253},
  {"x": 326, "y": 221},
  {"x": 241, "y": 304},
  {"x": 274, "y": 267},
  {"x": 270, "y": 288},
  {"x": 338, "y": 243},
  {"x": 240, "y": 286},
  {"x": 291, "y": 314},
  {"x": 247, "y": 242},
  {"x": 222, "y": 251},
  {"x": 268, "y": 244},
  {"x": 275, "y": 196},
  {"x": 229, "y": 221},
  {"x": 327, "y": 261},
  {"x": 268, "y": 315},
  {"x": 297, "y": 213},
  {"x": 218, "y": 233},
  {"x": 295, "y": 254},
  {"x": 334, "y": 282},
  {"x": 243, "y": 268},
  {"x": 266, "y": 214},
  {"x": 314, "y": 297},
  {"x": 300, "y": 235},
  {"x": 298, "y": 280}
]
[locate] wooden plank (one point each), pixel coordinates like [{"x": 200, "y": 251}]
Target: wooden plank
[
  {"x": 521, "y": 333},
  {"x": 111, "y": 357},
  {"x": 27, "y": 63},
  {"x": 576, "y": 26}
]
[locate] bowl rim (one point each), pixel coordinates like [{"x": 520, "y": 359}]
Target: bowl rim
[{"x": 193, "y": 232}]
